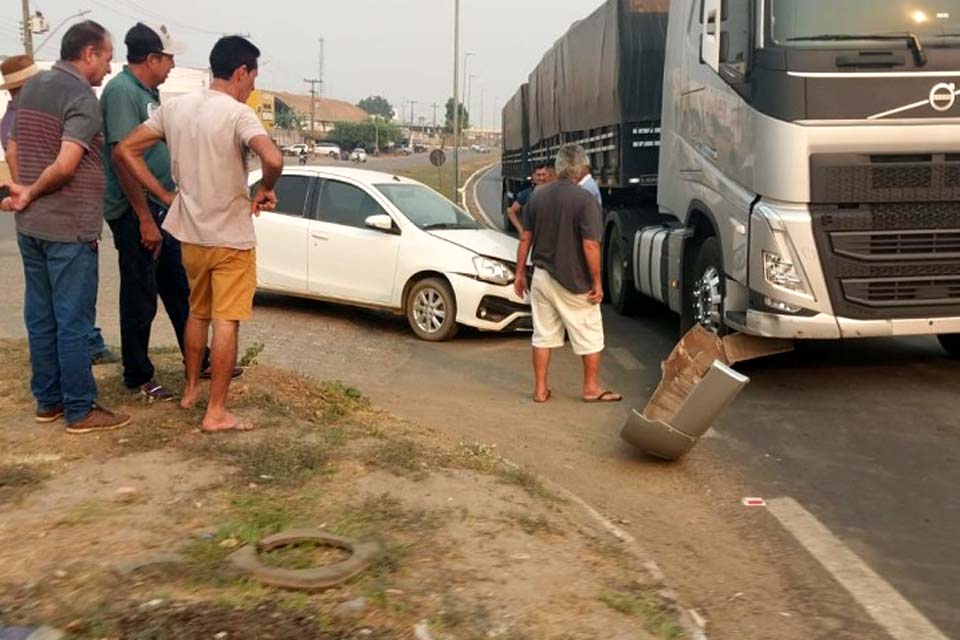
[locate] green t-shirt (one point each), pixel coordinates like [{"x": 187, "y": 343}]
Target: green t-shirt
[{"x": 126, "y": 104}]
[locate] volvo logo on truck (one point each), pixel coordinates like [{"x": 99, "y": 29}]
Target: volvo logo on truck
[{"x": 943, "y": 96}]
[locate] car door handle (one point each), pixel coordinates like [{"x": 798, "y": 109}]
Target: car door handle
[{"x": 319, "y": 236}]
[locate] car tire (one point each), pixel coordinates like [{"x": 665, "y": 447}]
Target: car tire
[
  {"x": 432, "y": 310},
  {"x": 621, "y": 293},
  {"x": 703, "y": 302},
  {"x": 951, "y": 344}
]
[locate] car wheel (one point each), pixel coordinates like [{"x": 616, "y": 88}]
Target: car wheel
[
  {"x": 703, "y": 303},
  {"x": 432, "y": 310},
  {"x": 951, "y": 344},
  {"x": 623, "y": 296}
]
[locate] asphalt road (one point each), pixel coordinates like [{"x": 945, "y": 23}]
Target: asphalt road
[{"x": 862, "y": 435}]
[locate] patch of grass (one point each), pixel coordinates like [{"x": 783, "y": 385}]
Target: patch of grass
[
  {"x": 477, "y": 457},
  {"x": 399, "y": 456},
  {"x": 281, "y": 460},
  {"x": 527, "y": 481},
  {"x": 304, "y": 556},
  {"x": 85, "y": 512},
  {"x": 18, "y": 480},
  {"x": 532, "y": 525},
  {"x": 375, "y": 513},
  {"x": 249, "y": 357},
  {"x": 645, "y": 605}
]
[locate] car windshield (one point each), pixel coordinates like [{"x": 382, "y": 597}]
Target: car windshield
[
  {"x": 426, "y": 208},
  {"x": 794, "y": 21}
]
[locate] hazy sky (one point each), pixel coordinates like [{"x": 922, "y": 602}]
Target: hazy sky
[{"x": 402, "y": 49}]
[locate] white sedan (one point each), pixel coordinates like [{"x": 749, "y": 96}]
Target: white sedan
[{"x": 376, "y": 240}]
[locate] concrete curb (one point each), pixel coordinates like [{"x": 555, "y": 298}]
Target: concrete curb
[{"x": 470, "y": 189}]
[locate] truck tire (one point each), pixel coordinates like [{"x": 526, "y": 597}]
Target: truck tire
[
  {"x": 621, "y": 292},
  {"x": 706, "y": 291},
  {"x": 951, "y": 344},
  {"x": 504, "y": 207}
]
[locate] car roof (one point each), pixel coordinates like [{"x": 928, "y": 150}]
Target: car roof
[{"x": 360, "y": 175}]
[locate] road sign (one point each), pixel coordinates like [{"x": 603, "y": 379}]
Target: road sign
[{"x": 437, "y": 157}]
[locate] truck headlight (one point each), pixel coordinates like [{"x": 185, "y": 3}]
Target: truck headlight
[
  {"x": 781, "y": 272},
  {"x": 493, "y": 271}
]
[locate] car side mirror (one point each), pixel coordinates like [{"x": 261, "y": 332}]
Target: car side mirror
[{"x": 381, "y": 222}]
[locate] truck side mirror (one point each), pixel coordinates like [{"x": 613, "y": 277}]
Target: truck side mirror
[{"x": 710, "y": 40}]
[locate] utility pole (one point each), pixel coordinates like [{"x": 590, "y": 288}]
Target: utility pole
[
  {"x": 412, "y": 104},
  {"x": 469, "y": 96},
  {"x": 456, "y": 92},
  {"x": 481, "y": 114},
  {"x": 320, "y": 66},
  {"x": 313, "y": 103},
  {"x": 435, "y": 107},
  {"x": 27, "y": 29}
]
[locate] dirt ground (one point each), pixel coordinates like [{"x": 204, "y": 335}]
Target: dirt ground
[{"x": 125, "y": 535}]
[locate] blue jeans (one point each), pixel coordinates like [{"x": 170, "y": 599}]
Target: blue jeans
[
  {"x": 59, "y": 310},
  {"x": 97, "y": 345}
]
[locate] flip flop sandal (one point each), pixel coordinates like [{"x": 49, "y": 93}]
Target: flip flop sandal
[
  {"x": 206, "y": 374},
  {"x": 546, "y": 398},
  {"x": 606, "y": 396}
]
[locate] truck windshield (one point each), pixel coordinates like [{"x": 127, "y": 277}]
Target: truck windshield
[{"x": 806, "y": 22}]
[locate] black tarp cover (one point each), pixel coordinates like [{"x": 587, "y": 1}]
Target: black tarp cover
[
  {"x": 607, "y": 69},
  {"x": 513, "y": 120}
]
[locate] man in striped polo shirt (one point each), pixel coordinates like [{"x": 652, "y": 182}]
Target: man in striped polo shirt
[{"x": 59, "y": 214}]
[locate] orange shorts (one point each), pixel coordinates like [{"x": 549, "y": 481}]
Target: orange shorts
[{"x": 222, "y": 281}]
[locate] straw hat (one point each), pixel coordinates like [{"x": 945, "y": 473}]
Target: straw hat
[{"x": 16, "y": 71}]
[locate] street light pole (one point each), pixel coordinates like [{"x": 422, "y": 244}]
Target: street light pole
[
  {"x": 78, "y": 14},
  {"x": 27, "y": 29},
  {"x": 456, "y": 92}
]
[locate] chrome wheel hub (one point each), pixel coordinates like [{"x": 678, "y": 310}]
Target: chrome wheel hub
[
  {"x": 429, "y": 311},
  {"x": 707, "y": 300}
]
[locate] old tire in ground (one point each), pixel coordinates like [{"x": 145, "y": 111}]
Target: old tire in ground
[
  {"x": 432, "y": 310},
  {"x": 621, "y": 293},
  {"x": 951, "y": 344},
  {"x": 703, "y": 300}
]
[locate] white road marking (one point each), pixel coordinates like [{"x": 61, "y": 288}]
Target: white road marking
[
  {"x": 475, "y": 178},
  {"x": 625, "y": 359},
  {"x": 884, "y": 604}
]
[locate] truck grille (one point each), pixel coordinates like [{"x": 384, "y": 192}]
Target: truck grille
[
  {"x": 890, "y": 292},
  {"x": 858, "y": 179},
  {"x": 897, "y": 245},
  {"x": 891, "y": 260}
]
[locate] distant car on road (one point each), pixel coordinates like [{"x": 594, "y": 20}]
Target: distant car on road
[
  {"x": 295, "y": 149},
  {"x": 359, "y": 155},
  {"x": 372, "y": 239},
  {"x": 330, "y": 149}
]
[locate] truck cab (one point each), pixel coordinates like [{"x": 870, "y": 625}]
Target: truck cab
[{"x": 809, "y": 153}]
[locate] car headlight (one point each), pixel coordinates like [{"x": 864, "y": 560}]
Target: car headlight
[
  {"x": 493, "y": 271},
  {"x": 781, "y": 272}
]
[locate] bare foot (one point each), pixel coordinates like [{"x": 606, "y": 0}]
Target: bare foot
[
  {"x": 189, "y": 398},
  {"x": 226, "y": 422}
]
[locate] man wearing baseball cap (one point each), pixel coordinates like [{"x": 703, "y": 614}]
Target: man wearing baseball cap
[
  {"x": 149, "y": 258},
  {"x": 16, "y": 71}
]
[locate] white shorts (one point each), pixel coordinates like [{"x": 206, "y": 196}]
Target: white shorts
[{"x": 555, "y": 309}]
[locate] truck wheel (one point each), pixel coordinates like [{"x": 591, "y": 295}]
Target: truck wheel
[
  {"x": 432, "y": 310},
  {"x": 951, "y": 344},
  {"x": 703, "y": 302},
  {"x": 504, "y": 207},
  {"x": 622, "y": 294}
]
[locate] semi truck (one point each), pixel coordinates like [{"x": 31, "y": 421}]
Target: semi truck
[{"x": 781, "y": 168}]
